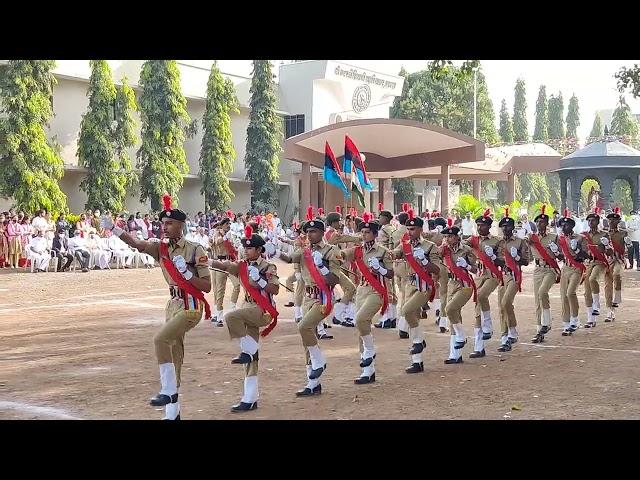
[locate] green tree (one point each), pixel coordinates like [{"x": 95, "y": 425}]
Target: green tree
[
  {"x": 520, "y": 127},
  {"x": 165, "y": 124},
  {"x": 264, "y": 135},
  {"x": 573, "y": 117},
  {"x": 533, "y": 187},
  {"x": 629, "y": 79},
  {"x": 506, "y": 129},
  {"x": 217, "y": 153},
  {"x": 31, "y": 163},
  {"x": 596, "y": 130},
  {"x": 101, "y": 145},
  {"x": 540, "y": 133},
  {"x": 469, "y": 204},
  {"x": 405, "y": 190},
  {"x": 125, "y": 136},
  {"x": 624, "y": 125},
  {"x": 556, "y": 117}
]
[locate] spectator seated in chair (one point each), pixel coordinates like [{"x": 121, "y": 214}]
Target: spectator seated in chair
[
  {"x": 60, "y": 250},
  {"x": 39, "y": 252},
  {"x": 79, "y": 249},
  {"x": 146, "y": 259},
  {"x": 121, "y": 251},
  {"x": 101, "y": 256}
]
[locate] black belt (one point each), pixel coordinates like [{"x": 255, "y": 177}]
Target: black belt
[
  {"x": 176, "y": 292},
  {"x": 222, "y": 257},
  {"x": 542, "y": 263}
]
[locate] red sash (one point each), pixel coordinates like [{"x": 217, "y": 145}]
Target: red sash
[
  {"x": 318, "y": 279},
  {"x": 183, "y": 284},
  {"x": 233, "y": 253},
  {"x": 461, "y": 274},
  {"x": 549, "y": 260},
  {"x": 369, "y": 277},
  {"x": 263, "y": 302},
  {"x": 484, "y": 258},
  {"x": 595, "y": 251},
  {"x": 329, "y": 233},
  {"x": 514, "y": 267},
  {"x": 619, "y": 249},
  {"x": 423, "y": 275},
  {"x": 564, "y": 246}
]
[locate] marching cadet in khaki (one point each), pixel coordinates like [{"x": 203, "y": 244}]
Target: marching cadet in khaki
[
  {"x": 223, "y": 250},
  {"x": 400, "y": 270},
  {"x": 487, "y": 249},
  {"x": 259, "y": 279},
  {"x": 597, "y": 265},
  {"x": 460, "y": 262},
  {"x": 296, "y": 277},
  {"x": 385, "y": 238},
  {"x": 420, "y": 256},
  {"x": 515, "y": 256},
  {"x": 440, "y": 302},
  {"x": 620, "y": 242},
  {"x": 319, "y": 268},
  {"x": 185, "y": 268},
  {"x": 374, "y": 262},
  {"x": 344, "y": 310},
  {"x": 573, "y": 251},
  {"x": 544, "y": 250}
]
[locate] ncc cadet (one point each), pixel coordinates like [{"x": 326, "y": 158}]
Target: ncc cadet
[
  {"x": 620, "y": 243},
  {"x": 597, "y": 266},
  {"x": 223, "y": 249}
]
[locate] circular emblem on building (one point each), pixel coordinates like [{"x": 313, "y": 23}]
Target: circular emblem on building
[{"x": 361, "y": 98}]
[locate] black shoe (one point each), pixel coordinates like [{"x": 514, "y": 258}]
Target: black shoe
[
  {"x": 219, "y": 323},
  {"x": 544, "y": 329},
  {"x": 591, "y": 324},
  {"x": 288, "y": 304},
  {"x": 443, "y": 330},
  {"x": 595, "y": 312},
  {"x": 317, "y": 372},
  {"x": 459, "y": 345},
  {"x": 615, "y": 305},
  {"x": 365, "y": 362},
  {"x": 365, "y": 380},
  {"x": 388, "y": 323},
  {"x": 348, "y": 323},
  {"x": 214, "y": 319},
  {"x": 402, "y": 334},
  {"x": 325, "y": 336},
  {"x": 438, "y": 313},
  {"x": 539, "y": 338},
  {"x": 161, "y": 400},
  {"x": 325, "y": 325},
  {"x": 418, "y": 347},
  {"x": 573, "y": 328},
  {"x": 307, "y": 392},
  {"x": 486, "y": 336},
  {"x": 243, "y": 358},
  {"x": 244, "y": 407},
  {"x": 512, "y": 340},
  {"x": 335, "y": 321},
  {"x": 479, "y": 354},
  {"x": 609, "y": 319},
  {"x": 451, "y": 361},
  {"x": 415, "y": 368},
  {"x": 505, "y": 347},
  {"x": 393, "y": 323},
  {"x": 566, "y": 332},
  {"x": 85, "y": 270},
  {"x": 378, "y": 325}
]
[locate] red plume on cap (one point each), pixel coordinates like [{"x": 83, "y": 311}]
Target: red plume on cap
[
  {"x": 428, "y": 215},
  {"x": 366, "y": 217},
  {"x": 248, "y": 231},
  {"x": 166, "y": 202},
  {"x": 338, "y": 209},
  {"x": 410, "y": 213},
  {"x": 405, "y": 207},
  {"x": 229, "y": 213},
  {"x": 616, "y": 210},
  {"x": 506, "y": 212},
  {"x": 596, "y": 210},
  {"x": 380, "y": 206},
  {"x": 542, "y": 209},
  {"x": 487, "y": 213},
  {"x": 449, "y": 222},
  {"x": 320, "y": 211},
  {"x": 566, "y": 212},
  {"x": 310, "y": 212}
]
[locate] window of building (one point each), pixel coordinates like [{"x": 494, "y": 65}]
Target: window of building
[{"x": 293, "y": 125}]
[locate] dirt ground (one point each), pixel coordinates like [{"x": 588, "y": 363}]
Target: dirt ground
[{"x": 79, "y": 346}]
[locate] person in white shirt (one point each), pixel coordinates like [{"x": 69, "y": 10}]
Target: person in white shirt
[
  {"x": 276, "y": 222},
  {"x": 101, "y": 257},
  {"x": 633, "y": 227},
  {"x": 39, "y": 223},
  {"x": 78, "y": 248},
  {"x": 529, "y": 226},
  {"x": 147, "y": 260},
  {"x": 121, "y": 251},
  {"x": 39, "y": 252},
  {"x": 143, "y": 226},
  {"x": 201, "y": 238},
  {"x": 468, "y": 226},
  {"x": 191, "y": 236}
]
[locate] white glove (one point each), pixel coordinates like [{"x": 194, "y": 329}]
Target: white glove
[
  {"x": 514, "y": 252},
  {"x": 298, "y": 276},
  {"x": 226, "y": 236},
  {"x": 573, "y": 244},
  {"x": 461, "y": 262},
  {"x": 553, "y": 247},
  {"x": 181, "y": 265},
  {"x": 254, "y": 273},
  {"x": 374, "y": 263},
  {"x": 604, "y": 241},
  {"x": 488, "y": 251},
  {"x": 106, "y": 222},
  {"x": 317, "y": 258},
  {"x": 418, "y": 253}
]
